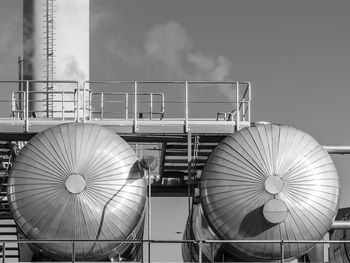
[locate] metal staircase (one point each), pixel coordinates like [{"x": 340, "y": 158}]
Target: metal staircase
[
  {"x": 8, "y": 229},
  {"x": 175, "y": 159}
]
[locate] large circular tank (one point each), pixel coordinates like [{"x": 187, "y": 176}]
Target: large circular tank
[
  {"x": 78, "y": 181},
  {"x": 269, "y": 182}
]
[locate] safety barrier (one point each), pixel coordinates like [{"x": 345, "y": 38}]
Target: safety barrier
[
  {"x": 200, "y": 244},
  {"x": 127, "y": 100}
]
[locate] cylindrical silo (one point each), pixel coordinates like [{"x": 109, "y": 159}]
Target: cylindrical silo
[
  {"x": 269, "y": 182},
  {"x": 56, "y": 47},
  {"x": 80, "y": 182}
]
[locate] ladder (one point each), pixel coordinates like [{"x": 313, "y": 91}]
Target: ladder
[{"x": 49, "y": 8}]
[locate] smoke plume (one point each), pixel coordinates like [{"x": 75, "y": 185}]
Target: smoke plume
[{"x": 168, "y": 53}]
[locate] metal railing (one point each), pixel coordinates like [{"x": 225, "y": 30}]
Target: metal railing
[
  {"x": 24, "y": 96},
  {"x": 241, "y": 102},
  {"x": 137, "y": 102},
  {"x": 107, "y": 104},
  {"x": 200, "y": 244},
  {"x": 65, "y": 103}
]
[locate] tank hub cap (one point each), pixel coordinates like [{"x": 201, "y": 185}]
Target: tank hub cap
[
  {"x": 75, "y": 183},
  {"x": 273, "y": 184},
  {"x": 275, "y": 211}
]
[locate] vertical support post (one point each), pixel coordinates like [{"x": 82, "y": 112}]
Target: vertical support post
[
  {"x": 249, "y": 99},
  {"x": 149, "y": 213},
  {"x": 151, "y": 107},
  {"x": 282, "y": 251},
  {"x": 3, "y": 252},
  {"x": 163, "y": 106},
  {"x": 136, "y": 128},
  {"x": 142, "y": 260},
  {"x": 126, "y": 106},
  {"x": 26, "y": 114},
  {"x": 212, "y": 252},
  {"x": 73, "y": 252},
  {"x": 237, "y": 107},
  {"x": 200, "y": 245},
  {"x": 186, "y": 107},
  {"x": 90, "y": 104},
  {"x": 78, "y": 104},
  {"x": 20, "y": 85},
  {"x": 189, "y": 169},
  {"x": 62, "y": 101},
  {"x": 102, "y": 105},
  {"x": 84, "y": 101}
]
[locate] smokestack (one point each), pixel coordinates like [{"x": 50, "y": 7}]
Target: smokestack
[{"x": 56, "y": 47}]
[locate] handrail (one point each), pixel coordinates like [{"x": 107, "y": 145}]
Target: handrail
[
  {"x": 83, "y": 100},
  {"x": 200, "y": 243}
]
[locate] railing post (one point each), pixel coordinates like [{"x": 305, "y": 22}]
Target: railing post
[
  {"x": 3, "y": 251},
  {"x": 26, "y": 115},
  {"x": 102, "y": 105},
  {"x": 78, "y": 105},
  {"x": 90, "y": 104},
  {"x": 212, "y": 252},
  {"x": 249, "y": 99},
  {"x": 200, "y": 245},
  {"x": 126, "y": 106},
  {"x": 186, "y": 107},
  {"x": 62, "y": 105},
  {"x": 237, "y": 107},
  {"x": 73, "y": 252},
  {"x": 163, "y": 105},
  {"x": 136, "y": 128},
  {"x": 84, "y": 102},
  {"x": 151, "y": 107},
  {"x": 282, "y": 251}
]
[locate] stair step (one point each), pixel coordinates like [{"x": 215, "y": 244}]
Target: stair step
[
  {"x": 184, "y": 153},
  {"x": 169, "y": 160},
  {"x": 184, "y": 146},
  {"x": 179, "y": 167}
]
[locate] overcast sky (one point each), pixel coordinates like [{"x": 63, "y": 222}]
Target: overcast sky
[{"x": 295, "y": 53}]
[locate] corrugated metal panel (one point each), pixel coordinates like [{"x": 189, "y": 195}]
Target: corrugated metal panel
[
  {"x": 269, "y": 162},
  {"x": 77, "y": 181}
]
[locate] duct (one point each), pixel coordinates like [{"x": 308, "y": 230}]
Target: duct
[
  {"x": 270, "y": 182},
  {"x": 77, "y": 181}
]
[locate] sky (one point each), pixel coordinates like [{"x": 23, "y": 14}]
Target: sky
[{"x": 295, "y": 53}]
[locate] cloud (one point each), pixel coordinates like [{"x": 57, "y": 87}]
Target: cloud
[
  {"x": 168, "y": 53},
  {"x": 168, "y": 44}
]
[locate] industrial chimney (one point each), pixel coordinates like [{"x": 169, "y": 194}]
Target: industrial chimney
[{"x": 56, "y": 47}]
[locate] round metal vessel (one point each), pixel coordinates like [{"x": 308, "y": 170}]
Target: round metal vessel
[
  {"x": 270, "y": 182},
  {"x": 77, "y": 181}
]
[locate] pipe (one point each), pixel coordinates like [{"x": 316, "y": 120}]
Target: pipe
[
  {"x": 337, "y": 149},
  {"x": 341, "y": 225}
]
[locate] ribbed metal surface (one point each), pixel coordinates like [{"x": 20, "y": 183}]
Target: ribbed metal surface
[
  {"x": 258, "y": 164},
  {"x": 197, "y": 228},
  {"x": 340, "y": 253},
  {"x": 77, "y": 181}
]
